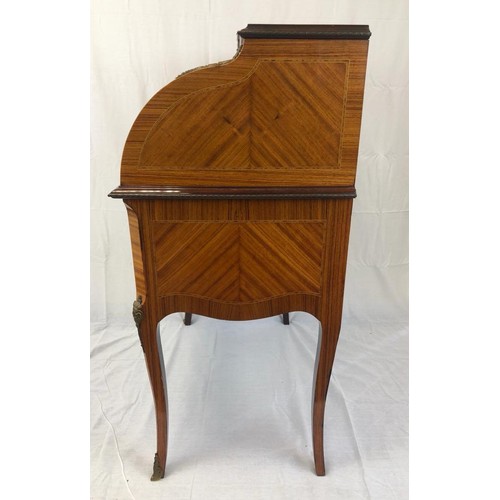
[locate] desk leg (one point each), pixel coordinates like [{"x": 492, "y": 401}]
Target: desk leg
[
  {"x": 149, "y": 333},
  {"x": 327, "y": 343},
  {"x": 330, "y": 316}
]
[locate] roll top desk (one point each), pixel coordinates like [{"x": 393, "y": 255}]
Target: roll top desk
[{"x": 238, "y": 179}]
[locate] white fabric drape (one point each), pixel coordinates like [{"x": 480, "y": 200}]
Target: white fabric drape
[{"x": 240, "y": 392}]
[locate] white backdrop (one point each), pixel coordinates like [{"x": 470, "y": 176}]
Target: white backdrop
[{"x": 138, "y": 47}]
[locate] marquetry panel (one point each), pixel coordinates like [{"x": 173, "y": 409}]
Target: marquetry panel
[
  {"x": 285, "y": 114},
  {"x": 238, "y": 262},
  {"x": 278, "y": 108}
]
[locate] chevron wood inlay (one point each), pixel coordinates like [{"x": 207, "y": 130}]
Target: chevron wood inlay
[
  {"x": 221, "y": 140},
  {"x": 275, "y": 118},
  {"x": 297, "y": 114},
  {"x": 279, "y": 258},
  {"x": 243, "y": 262},
  {"x": 198, "y": 258}
]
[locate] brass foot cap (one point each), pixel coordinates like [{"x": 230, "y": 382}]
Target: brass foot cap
[{"x": 158, "y": 472}]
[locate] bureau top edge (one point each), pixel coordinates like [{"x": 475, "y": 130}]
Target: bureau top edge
[{"x": 307, "y": 31}]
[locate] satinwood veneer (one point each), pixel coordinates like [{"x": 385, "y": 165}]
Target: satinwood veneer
[{"x": 238, "y": 179}]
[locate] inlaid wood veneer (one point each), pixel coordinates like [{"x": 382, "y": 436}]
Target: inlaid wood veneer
[{"x": 238, "y": 179}]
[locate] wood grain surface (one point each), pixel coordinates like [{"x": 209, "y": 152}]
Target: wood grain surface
[
  {"x": 278, "y": 108},
  {"x": 271, "y": 119}
]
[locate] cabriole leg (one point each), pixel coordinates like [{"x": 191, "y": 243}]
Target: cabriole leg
[
  {"x": 327, "y": 343},
  {"x": 149, "y": 334}
]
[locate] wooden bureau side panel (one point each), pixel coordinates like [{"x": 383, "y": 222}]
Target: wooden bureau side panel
[
  {"x": 287, "y": 114},
  {"x": 200, "y": 129},
  {"x": 238, "y": 261},
  {"x": 243, "y": 254}
]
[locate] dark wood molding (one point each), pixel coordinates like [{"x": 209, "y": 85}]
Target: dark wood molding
[
  {"x": 261, "y": 193},
  {"x": 307, "y": 31}
]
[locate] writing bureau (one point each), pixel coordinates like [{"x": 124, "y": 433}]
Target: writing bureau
[{"x": 238, "y": 179}]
